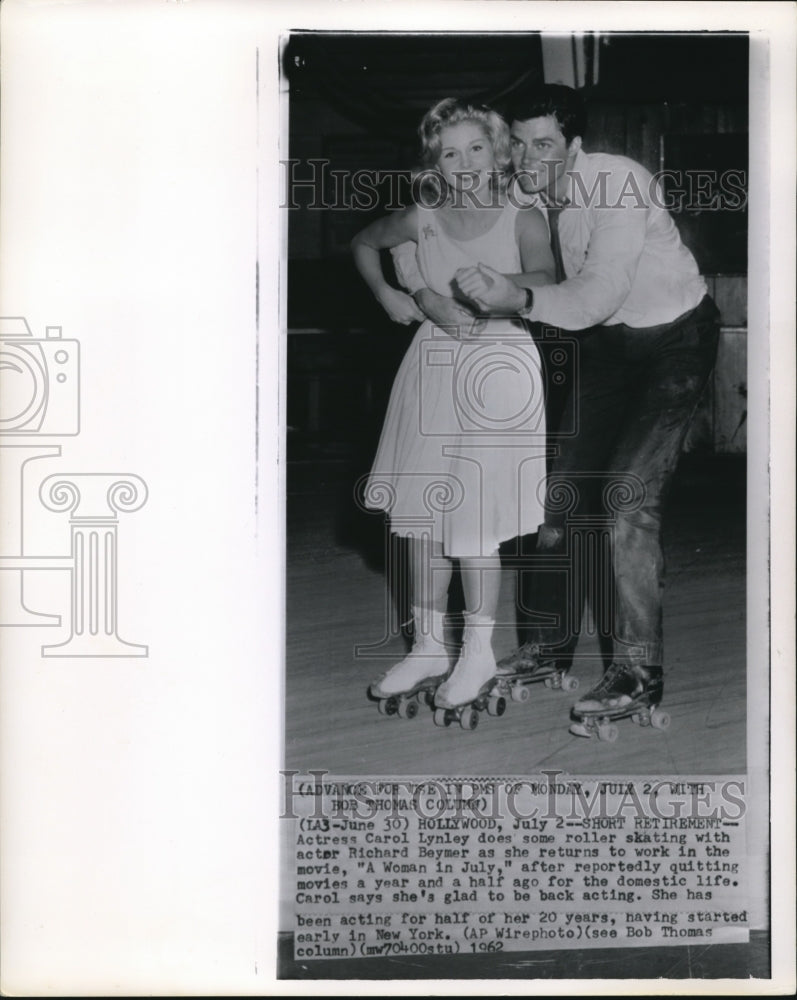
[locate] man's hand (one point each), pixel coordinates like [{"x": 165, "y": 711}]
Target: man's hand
[
  {"x": 452, "y": 316},
  {"x": 491, "y": 291},
  {"x": 399, "y": 306}
]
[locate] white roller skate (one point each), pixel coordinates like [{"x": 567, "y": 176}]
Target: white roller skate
[
  {"x": 467, "y": 691},
  {"x": 413, "y": 681}
]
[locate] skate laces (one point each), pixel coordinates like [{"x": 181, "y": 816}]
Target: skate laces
[
  {"x": 525, "y": 657},
  {"x": 606, "y": 684}
]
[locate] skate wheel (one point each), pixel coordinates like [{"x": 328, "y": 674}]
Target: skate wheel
[
  {"x": 442, "y": 717},
  {"x": 581, "y": 729},
  {"x": 520, "y": 692},
  {"x": 636, "y": 718},
  {"x": 388, "y": 706},
  {"x": 469, "y": 718},
  {"x": 659, "y": 719},
  {"x": 608, "y": 732},
  {"x": 501, "y": 688},
  {"x": 549, "y": 683},
  {"x": 568, "y": 683},
  {"x": 496, "y": 706},
  {"x": 481, "y": 703},
  {"x": 407, "y": 708}
]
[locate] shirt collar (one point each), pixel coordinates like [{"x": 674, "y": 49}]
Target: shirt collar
[{"x": 579, "y": 164}]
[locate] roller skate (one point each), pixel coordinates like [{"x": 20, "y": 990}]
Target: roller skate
[
  {"x": 625, "y": 691},
  {"x": 527, "y": 666},
  {"x": 413, "y": 682},
  {"x": 468, "y": 691}
]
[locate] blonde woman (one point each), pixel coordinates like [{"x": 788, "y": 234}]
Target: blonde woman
[{"x": 462, "y": 451}]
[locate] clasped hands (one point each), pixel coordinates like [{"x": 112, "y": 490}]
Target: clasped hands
[
  {"x": 451, "y": 315},
  {"x": 491, "y": 292},
  {"x": 479, "y": 292}
]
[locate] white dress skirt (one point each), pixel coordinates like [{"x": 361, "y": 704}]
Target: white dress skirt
[{"x": 461, "y": 458}]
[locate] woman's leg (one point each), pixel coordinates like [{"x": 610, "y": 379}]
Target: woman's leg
[
  {"x": 481, "y": 582},
  {"x": 430, "y": 576}
]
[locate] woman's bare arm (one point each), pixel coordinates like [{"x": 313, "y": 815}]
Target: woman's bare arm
[
  {"x": 389, "y": 231},
  {"x": 536, "y": 259}
]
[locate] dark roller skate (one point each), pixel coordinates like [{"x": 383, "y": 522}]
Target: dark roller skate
[
  {"x": 625, "y": 691},
  {"x": 527, "y": 666}
]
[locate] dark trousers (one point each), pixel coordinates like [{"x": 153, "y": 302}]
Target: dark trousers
[{"x": 635, "y": 393}]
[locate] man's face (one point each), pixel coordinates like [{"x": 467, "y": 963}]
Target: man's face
[{"x": 541, "y": 154}]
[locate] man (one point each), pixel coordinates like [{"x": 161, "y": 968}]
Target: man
[{"x": 648, "y": 340}]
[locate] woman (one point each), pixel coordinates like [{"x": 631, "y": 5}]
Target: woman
[{"x": 462, "y": 451}]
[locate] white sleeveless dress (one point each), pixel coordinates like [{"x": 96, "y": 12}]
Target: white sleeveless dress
[{"x": 461, "y": 457}]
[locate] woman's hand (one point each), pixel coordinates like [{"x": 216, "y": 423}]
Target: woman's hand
[
  {"x": 452, "y": 316},
  {"x": 399, "y": 306}
]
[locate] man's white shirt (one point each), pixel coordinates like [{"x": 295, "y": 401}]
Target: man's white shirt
[{"x": 623, "y": 256}]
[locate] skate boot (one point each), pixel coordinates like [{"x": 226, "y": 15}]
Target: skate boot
[
  {"x": 527, "y": 665},
  {"x": 625, "y": 691},
  {"x": 413, "y": 681},
  {"x": 466, "y": 692}
]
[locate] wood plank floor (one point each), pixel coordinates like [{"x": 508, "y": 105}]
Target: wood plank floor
[{"x": 337, "y": 601}]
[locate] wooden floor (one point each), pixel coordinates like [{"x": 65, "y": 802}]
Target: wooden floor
[{"x": 336, "y": 601}]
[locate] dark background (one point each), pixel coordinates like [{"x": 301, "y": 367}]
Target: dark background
[{"x": 675, "y": 101}]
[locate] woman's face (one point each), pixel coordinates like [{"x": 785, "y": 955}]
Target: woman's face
[{"x": 466, "y": 156}]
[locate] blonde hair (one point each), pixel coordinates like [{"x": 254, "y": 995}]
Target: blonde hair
[{"x": 452, "y": 111}]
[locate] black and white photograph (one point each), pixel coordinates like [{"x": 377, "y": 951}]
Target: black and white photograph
[
  {"x": 518, "y": 482},
  {"x": 396, "y": 498}
]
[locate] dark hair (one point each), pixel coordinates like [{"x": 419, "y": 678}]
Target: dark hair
[{"x": 565, "y": 104}]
